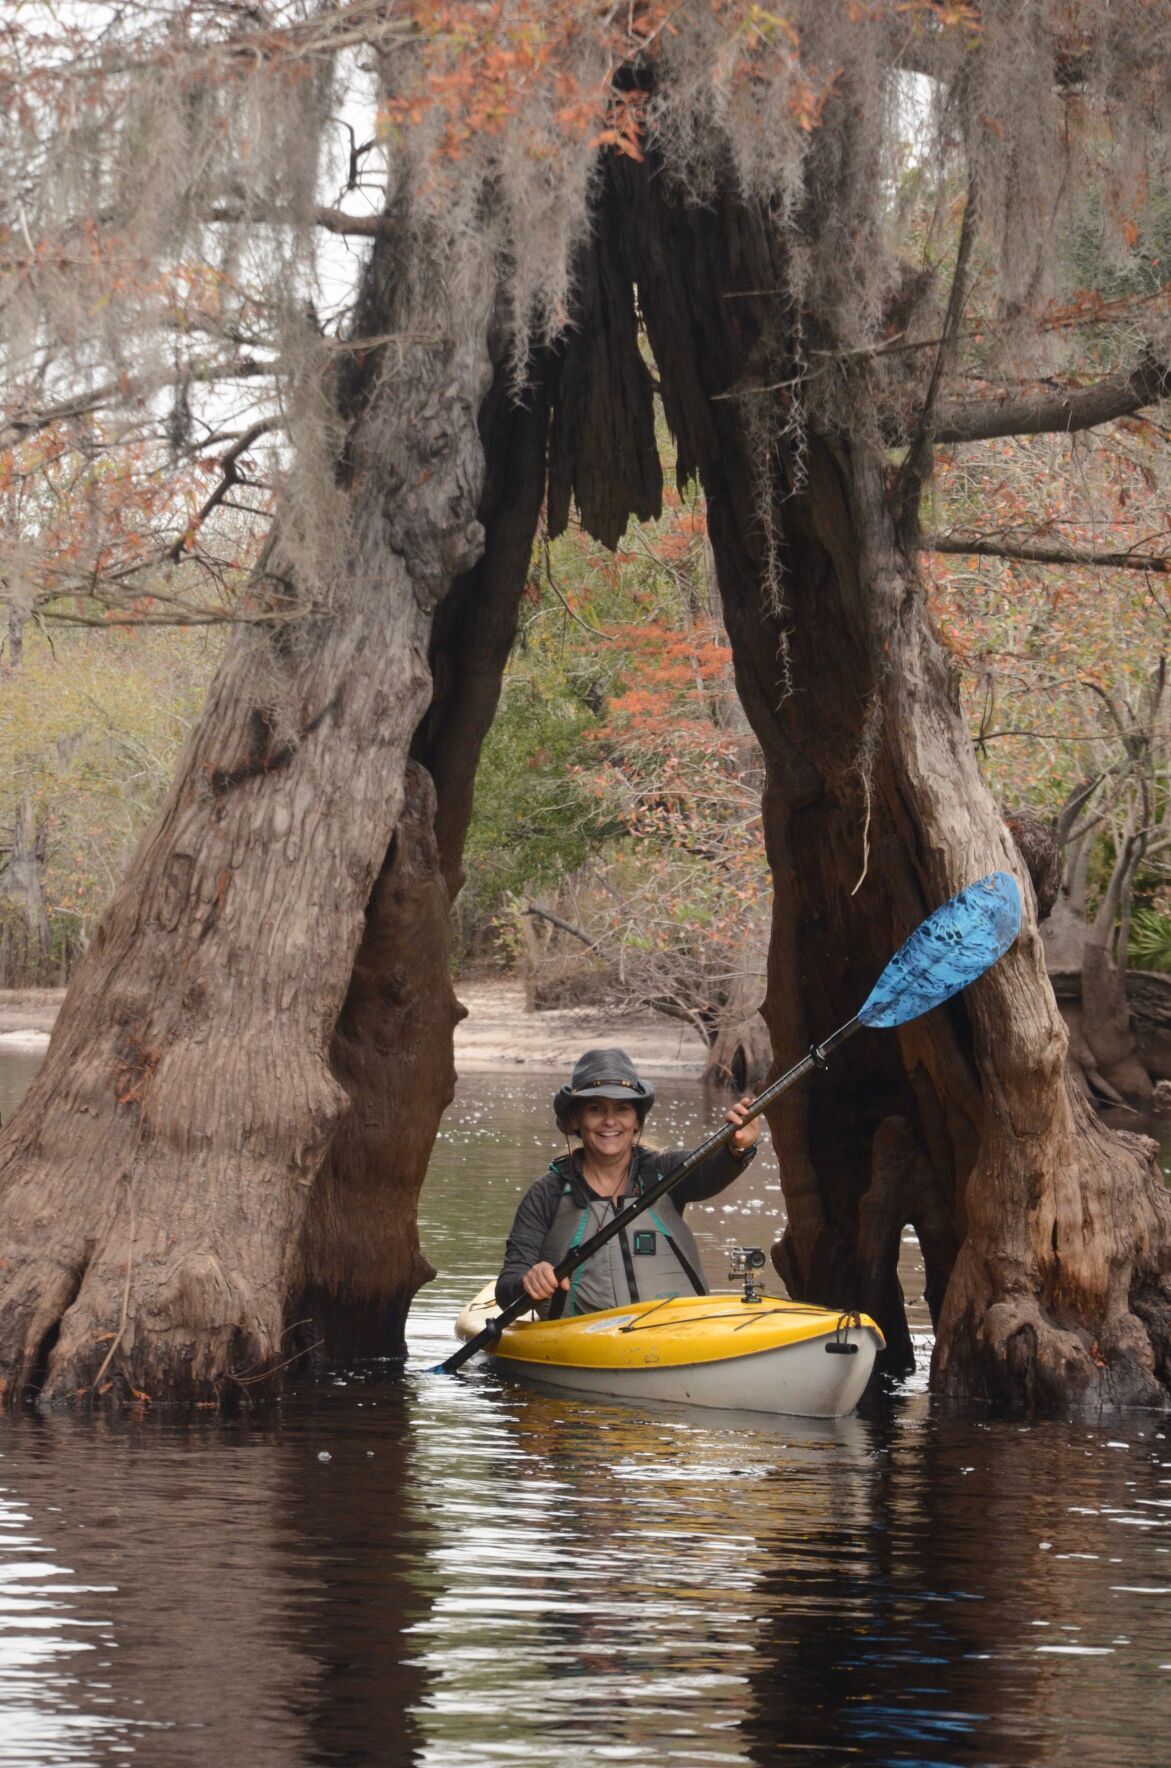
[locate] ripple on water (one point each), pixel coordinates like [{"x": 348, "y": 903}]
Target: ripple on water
[
  {"x": 44, "y": 1633},
  {"x": 453, "y": 1572}
]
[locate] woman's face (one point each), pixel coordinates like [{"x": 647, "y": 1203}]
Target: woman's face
[{"x": 607, "y": 1128}]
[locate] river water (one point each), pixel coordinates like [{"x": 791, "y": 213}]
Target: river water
[{"x": 453, "y": 1572}]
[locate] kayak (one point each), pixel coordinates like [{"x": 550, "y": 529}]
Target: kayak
[{"x": 756, "y": 1355}]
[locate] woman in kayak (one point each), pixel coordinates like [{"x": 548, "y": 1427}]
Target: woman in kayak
[{"x": 605, "y": 1105}]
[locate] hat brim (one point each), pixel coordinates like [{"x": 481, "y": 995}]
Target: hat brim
[
  {"x": 623, "y": 1095},
  {"x": 642, "y": 1099}
]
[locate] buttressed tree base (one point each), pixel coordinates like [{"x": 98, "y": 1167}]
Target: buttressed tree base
[{"x": 778, "y": 226}]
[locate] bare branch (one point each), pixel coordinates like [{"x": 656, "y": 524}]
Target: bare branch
[
  {"x": 537, "y": 914},
  {"x": 985, "y": 547},
  {"x": 31, "y": 422},
  {"x": 230, "y": 476},
  {"x": 333, "y": 220},
  {"x": 1075, "y": 803},
  {"x": 1122, "y": 725},
  {"x": 1083, "y": 408},
  {"x": 553, "y": 585},
  {"x": 183, "y": 614}
]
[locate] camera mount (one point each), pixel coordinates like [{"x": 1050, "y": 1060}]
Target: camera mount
[{"x": 746, "y": 1261}]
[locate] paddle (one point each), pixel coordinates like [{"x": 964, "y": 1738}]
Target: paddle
[{"x": 950, "y": 949}]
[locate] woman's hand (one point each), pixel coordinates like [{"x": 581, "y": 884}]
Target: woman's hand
[
  {"x": 540, "y": 1281},
  {"x": 746, "y": 1133}
]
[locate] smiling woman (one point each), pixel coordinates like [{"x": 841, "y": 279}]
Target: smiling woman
[{"x": 605, "y": 1105}]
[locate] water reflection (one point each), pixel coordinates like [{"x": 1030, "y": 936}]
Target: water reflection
[
  {"x": 450, "y": 1571},
  {"x": 600, "y": 1571},
  {"x": 40, "y": 1643},
  {"x": 361, "y": 1534},
  {"x": 444, "y": 1571}
]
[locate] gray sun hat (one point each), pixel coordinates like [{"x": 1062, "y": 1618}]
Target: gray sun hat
[{"x": 603, "y": 1074}]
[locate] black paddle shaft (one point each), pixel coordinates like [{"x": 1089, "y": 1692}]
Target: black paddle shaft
[{"x": 491, "y": 1332}]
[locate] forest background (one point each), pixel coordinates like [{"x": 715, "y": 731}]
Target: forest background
[{"x": 616, "y": 849}]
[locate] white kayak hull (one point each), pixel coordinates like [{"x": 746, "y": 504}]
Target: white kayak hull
[
  {"x": 799, "y": 1381},
  {"x": 817, "y": 1368}
]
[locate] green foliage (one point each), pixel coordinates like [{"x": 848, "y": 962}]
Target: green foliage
[
  {"x": 1150, "y": 940},
  {"x": 1123, "y": 250},
  {"x": 534, "y": 821}
]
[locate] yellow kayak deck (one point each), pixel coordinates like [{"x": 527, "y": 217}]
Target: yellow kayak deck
[{"x": 681, "y": 1331}]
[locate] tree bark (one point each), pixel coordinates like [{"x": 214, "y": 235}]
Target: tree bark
[
  {"x": 24, "y": 922},
  {"x": 360, "y": 1260},
  {"x": 1048, "y": 1244},
  {"x": 740, "y": 1055},
  {"x": 1106, "y": 1024},
  {"x": 155, "y": 1182},
  {"x": 476, "y": 624},
  {"x": 201, "y": 1168}
]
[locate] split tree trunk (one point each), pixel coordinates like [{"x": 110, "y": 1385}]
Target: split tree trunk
[
  {"x": 247, "y": 1014},
  {"x": 155, "y": 1182}
]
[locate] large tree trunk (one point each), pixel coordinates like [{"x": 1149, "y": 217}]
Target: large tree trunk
[
  {"x": 243, "y": 1086},
  {"x": 1047, "y": 1240},
  {"x": 154, "y": 1184},
  {"x": 360, "y": 1261},
  {"x": 199, "y": 1168}
]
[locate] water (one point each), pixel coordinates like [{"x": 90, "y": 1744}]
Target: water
[{"x": 452, "y": 1572}]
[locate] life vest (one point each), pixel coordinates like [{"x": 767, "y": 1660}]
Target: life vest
[{"x": 655, "y": 1257}]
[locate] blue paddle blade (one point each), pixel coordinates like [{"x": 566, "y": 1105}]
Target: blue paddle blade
[{"x": 947, "y": 951}]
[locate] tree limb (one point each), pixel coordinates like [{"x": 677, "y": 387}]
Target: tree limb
[
  {"x": 1074, "y": 804},
  {"x": 30, "y": 422},
  {"x": 230, "y": 474},
  {"x": 981, "y": 546},
  {"x": 556, "y": 921},
  {"x": 332, "y": 220},
  {"x": 1083, "y": 408},
  {"x": 552, "y": 582},
  {"x": 361, "y": 226}
]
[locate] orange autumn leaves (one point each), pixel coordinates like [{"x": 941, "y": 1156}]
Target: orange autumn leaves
[
  {"x": 484, "y": 70},
  {"x": 551, "y": 70}
]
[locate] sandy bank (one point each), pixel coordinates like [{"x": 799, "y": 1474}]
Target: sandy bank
[
  {"x": 27, "y": 1015},
  {"x": 497, "y": 1033}
]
